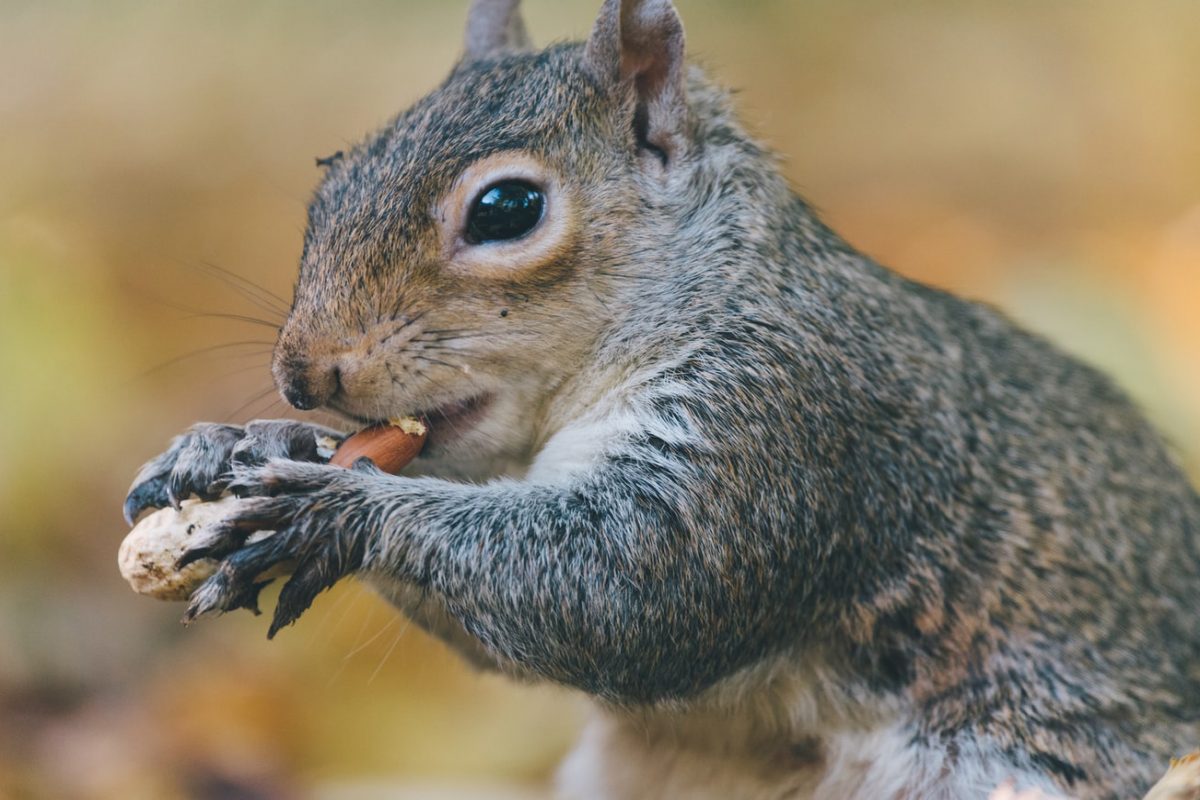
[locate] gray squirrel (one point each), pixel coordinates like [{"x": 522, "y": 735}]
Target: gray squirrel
[{"x": 801, "y": 527}]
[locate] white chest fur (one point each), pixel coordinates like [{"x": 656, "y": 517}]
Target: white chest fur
[
  {"x": 614, "y": 760},
  {"x": 800, "y": 738}
]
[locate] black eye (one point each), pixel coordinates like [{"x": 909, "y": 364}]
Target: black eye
[{"x": 507, "y": 210}]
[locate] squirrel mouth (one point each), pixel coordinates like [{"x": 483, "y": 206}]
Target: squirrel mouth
[
  {"x": 450, "y": 421},
  {"x": 446, "y": 422}
]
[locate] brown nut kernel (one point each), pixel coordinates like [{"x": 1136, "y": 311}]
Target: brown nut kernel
[{"x": 391, "y": 445}]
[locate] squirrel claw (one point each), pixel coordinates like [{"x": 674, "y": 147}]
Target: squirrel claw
[
  {"x": 248, "y": 597},
  {"x": 203, "y": 602},
  {"x": 237, "y": 582},
  {"x": 310, "y": 579},
  {"x": 143, "y": 496},
  {"x": 311, "y": 537},
  {"x": 202, "y": 461}
]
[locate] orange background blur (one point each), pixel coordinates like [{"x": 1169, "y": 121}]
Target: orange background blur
[{"x": 1041, "y": 155}]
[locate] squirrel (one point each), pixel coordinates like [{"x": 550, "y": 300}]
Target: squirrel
[{"x": 800, "y": 527}]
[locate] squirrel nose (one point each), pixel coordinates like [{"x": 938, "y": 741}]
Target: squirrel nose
[
  {"x": 307, "y": 386},
  {"x": 296, "y": 394}
]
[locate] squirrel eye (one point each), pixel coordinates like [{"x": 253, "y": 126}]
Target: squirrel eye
[{"x": 505, "y": 210}]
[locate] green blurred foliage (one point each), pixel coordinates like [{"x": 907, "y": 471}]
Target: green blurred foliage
[{"x": 1042, "y": 156}]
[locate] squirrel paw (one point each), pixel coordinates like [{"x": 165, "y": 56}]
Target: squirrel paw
[
  {"x": 314, "y": 511},
  {"x": 199, "y": 461}
]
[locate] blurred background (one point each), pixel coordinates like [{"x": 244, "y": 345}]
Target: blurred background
[{"x": 1042, "y": 156}]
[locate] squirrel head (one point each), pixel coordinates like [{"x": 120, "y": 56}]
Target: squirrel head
[{"x": 459, "y": 263}]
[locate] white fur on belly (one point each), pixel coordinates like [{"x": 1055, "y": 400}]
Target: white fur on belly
[{"x": 616, "y": 760}]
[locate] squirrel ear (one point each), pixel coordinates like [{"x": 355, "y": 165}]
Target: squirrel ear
[
  {"x": 494, "y": 26},
  {"x": 640, "y": 42}
]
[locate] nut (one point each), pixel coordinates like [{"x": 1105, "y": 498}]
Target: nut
[
  {"x": 148, "y": 555},
  {"x": 391, "y": 445},
  {"x": 150, "y": 551}
]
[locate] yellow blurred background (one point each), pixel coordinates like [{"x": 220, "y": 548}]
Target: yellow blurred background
[{"x": 1044, "y": 156}]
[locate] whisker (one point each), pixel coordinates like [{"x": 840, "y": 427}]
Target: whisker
[
  {"x": 195, "y": 313},
  {"x": 255, "y": 399},
  {"x": 236, "y": 317},
  {"x": 256, "y": 293},
  {"x": 259, "y": 412},
  {"x": 461, "y": 333},
  {"x": 391, "y": 648},
  {"x": 446, "y": 351},
  {"x": 418, "y": 357},
  {"x": 269, "y": 297},
  {"x": 264, "y": 345},
  {"x": 275, "y": 408},
  {"x": 388, "y": 366},
  {"x": 408, "y": 322},
  {"x": 367, "y": 643},
  {"x": 341, "y": 606},
  {"x": 261, "y": 367},
  {"x": 362, "y": 628}
]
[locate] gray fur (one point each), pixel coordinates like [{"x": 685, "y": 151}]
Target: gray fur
[
  {"x": 198, "y": 462},
  {"x": 641, "y": 43},
  {"x": 743, "y": 445},
  {"x": 494, "y": 26}
]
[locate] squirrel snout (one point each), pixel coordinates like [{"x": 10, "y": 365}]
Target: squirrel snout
[{"x": 306, "y": 384}]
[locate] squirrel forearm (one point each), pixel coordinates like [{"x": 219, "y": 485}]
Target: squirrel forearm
[{"x": 600, "y": 585}]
